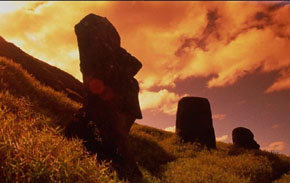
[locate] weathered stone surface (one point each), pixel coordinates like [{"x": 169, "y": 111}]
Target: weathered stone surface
[
  {"x": 194, "y": 121},
  {"x": 111, "y": 100},
  {"x": 107, "y": 69},
  {"x": 243, "y": 137}
]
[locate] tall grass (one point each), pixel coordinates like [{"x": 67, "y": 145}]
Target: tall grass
[
  {"x": 33, "y": 149},
  {"x": 44, "y": 99}
]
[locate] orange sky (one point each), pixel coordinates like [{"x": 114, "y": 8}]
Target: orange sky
[{"x": 222, "y": 42}]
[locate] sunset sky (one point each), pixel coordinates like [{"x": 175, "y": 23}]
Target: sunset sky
[{"x": 236, "y": 54}]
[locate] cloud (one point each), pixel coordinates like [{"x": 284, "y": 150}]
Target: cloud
[
  {"x": 44, "y": 33},
  {"x": 251, "y": 50},
  {"x": 200, "y": 42},
  {"x": 282, "y": 83},
  {"x": 7, "y": 7},
  {"x": 275, "y": 126},
  {"x": 161, "y": 101},
  {"x": 170, "y": 129},
  {"x": 224, "y": 46},
  {"x": 173, "y": 40},
  {"x": 276, "y": 146},
  {"x": 223, "y": 138},
  {"x": 219, "y": 116}
]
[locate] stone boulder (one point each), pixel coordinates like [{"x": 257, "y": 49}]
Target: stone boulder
[
  {"x": 243, "y": 137},
  {"x": 111, "y": 91},
  {"x": 194, "y": 121}
]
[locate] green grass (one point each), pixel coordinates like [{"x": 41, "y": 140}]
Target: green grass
[{"x": 33, "y": 148}]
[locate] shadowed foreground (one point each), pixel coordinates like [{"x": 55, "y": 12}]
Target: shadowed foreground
[{"x": 33, "y": 148}]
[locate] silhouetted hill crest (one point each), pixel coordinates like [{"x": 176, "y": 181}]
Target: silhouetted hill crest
[{"x": 45, "y": 73}]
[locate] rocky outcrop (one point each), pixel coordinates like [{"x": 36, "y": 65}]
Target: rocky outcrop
[
  {"x": 194, "y": 121},
  {"x": 243, "y": 137},
  {"x": 48, "y": 75},
  {"x": 111, "y": 100}
]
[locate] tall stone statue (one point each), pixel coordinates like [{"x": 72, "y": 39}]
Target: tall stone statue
[
  {"x": 194, "y": 121},
  {"x": 111, "y": 101}
]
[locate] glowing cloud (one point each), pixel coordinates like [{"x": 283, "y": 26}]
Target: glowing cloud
[
  {"x": 170, "y": 129},
  {"x": 275, "y": 126},
  {"x": 222, "y": 138},
  {"x": 283, "y": 83},
  {"x": 161, "y": 101},
  {"x": 275, "y": 146},
  {"x": 7, "y": 7},
  {"x": 218, "y": 116},
  {"x": 173, "y": 40}
]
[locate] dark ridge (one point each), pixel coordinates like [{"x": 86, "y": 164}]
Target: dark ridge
[{"x": 48, "y": 75}]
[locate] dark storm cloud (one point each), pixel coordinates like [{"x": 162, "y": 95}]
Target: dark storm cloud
[
  {"x": 201, "y": 42},
  {"x": 277, "y": 6}
]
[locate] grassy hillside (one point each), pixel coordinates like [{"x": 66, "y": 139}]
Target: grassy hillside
[
  {"x": 33, "y": 149},
  {"x": 43, "y": 72}
]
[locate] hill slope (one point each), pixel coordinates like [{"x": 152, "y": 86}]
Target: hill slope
[
  {"x": 33, "y": 149},
  {"x": 43, "y": 72}
]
